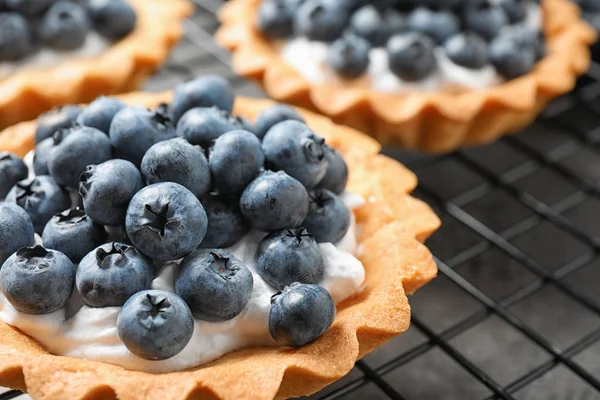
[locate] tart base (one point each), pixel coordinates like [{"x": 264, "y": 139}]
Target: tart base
[
  {"x": 392, "y": 226},
  {"x": 434, "y": 122}
]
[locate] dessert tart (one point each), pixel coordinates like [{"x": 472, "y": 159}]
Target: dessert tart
[
  {"x": 224, "y": 247},
  {"x": 55, "y": 52},
  {"x": 430, "y": 75}
]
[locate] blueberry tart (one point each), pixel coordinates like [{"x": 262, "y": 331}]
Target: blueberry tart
[
  {"x": 217, "y": 257},
  {"x": 427, "y": 75}
]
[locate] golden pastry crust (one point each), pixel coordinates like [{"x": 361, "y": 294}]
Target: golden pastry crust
[
  {"x": 435, "y": 121},
  {"x": 396, "y": 262},
  {"x": 122, "y": 68}
]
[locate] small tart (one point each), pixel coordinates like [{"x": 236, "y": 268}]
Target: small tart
[
  {"x": 121, "y": 68},
  {"x": 392, "y": 226},
  {"x": 429, "y": 121}
]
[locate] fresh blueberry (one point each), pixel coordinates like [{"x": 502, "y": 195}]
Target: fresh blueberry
[
  {"x": 16, "y": 230},
  {"x": 12, "y": 170},
  {"x": 73, "y": 150},
  {"x": 37, "y": 281},
  {"x": 336, "y": 177},
  {"x": 273, "y": 115},
  {"x": 100, "y": 113},
  {"x": 175, "y": 160},
  {"x": 376, "y": 26},
  {"x": 155, "y": 324},
  {"x": 41, "y": 198},
  {"x": 165, "y": 221},
  {"x": 275, "y": 19},
  {"x": 235, "y": 160},
  {"x": 214, "y": 284},
  {"x": 328, "y": 217},
  {"x": 54, "y": 120},
  {"x": 15, "y": 37},
  {"x": 437, "y": 24},
  {"x": 273, "y": 201},
  {"x": 524, "y": 35},
  {"x": 287, "y": 256},
  {"x": 300, "y": 314},
  {"x": 135, "y": 129},
  {"x": 321, "y": 20},
  {"x": 242, "y": 123},
  {"x": 467, "y": 50},
  {"x": 110, "y": 274},
  {"x": 291, "y": 146},
  {"x": 64, "y": 26},
  {"x": 112, "y": 18},
  {"x": 484, "y": 18},
  {"x": 349, "y": 56},
  {"x": 411, "y": 56},
  {"x": 511, "y": 58},
  {"x": 201, "y": 126},
  {"x": 226, "y": 224},
  {"x": 516, "y": 10},
  {"x": 41, "y": 156},
  {"x": 28, "y": 7},
  {"x": 73, "y": 233},
  {"x": 206, "y": 91}
]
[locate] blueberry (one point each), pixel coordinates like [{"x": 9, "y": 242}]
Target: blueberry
[
  {"x": 328, "y": 217},
  {"x": 100, "y": 113},
  {"x": 293, "y": 147},
  {"x": 235, "y": 160},
  {"x": 110, "y": 274},
  {"x": 467, "y": 50},
  {"x": 55, "y": 119},
  {"x": 41, "y": 198},
  {"x": 300, "y": 314},
  {"x": 516, "y": 10},
  {"x": 376, "y": 26},
  {"x": 28, "y": 7},
  {"x": 36, "y": 280},
  {"x": 155, "y": 324},
  {"x": 201, "y": 126},
  {"x": 206, "y": 91},
  {"x": 135, "y": 129},
  {"x": 165, "y": 221},
  {"x": 107, "y": 189},
  {"x": 589, "y": 6},
  {"x": 484, "y": 18},
  {"x": 15, "y": 37},
  {"x": 112, "y": 18},
  {"x": 336, "y": 177},
  {"x": 349, "y": 56},
  {"x": 73, "y": 233},
  {"x": 526, "y": 36},
  {"x": 273, "y": 201},
  {"x": 226, "y": 224},
  {"x": 41, "y": 156},
  {"x": 437, "y": 24},
  {"x": 12, "y": 170},
  {"x": 242, "y": 123},
  {"x": 511, "y": 58},
  {"x": 175, "y": 160},
  {"x": 64, "y": 26},
  {"x": 321, "y": 20},
  {"x": 275, "y": 19},
  {"x": 73, "y": 150},
  {"x": 214, "y": 284},
  {"x": 411, "y": 56},
  {"x": 16, "y": 230},
  {"x": 273, "y": 115},
  {"x": 287, "y": 256}
]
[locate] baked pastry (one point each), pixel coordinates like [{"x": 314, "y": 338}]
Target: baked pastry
[
  {"x": 58, "y": 52},
  {"x": 218, "y": 359},
  {"x": 405, "y": 72}
]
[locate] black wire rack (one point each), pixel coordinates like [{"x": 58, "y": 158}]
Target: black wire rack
[{"x": 515, "y": 311}]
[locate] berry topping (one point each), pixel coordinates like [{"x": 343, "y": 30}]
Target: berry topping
[
  {"x": 273, "y": 115},
  {"x": 349, "y": 56},
  {"x": 112, "y": 18},
  {"x": 206, "y": 91},
  {"x": 202, "y": 126},
  {"x": 438, "y": 25},
  {"x": 12, "y": 170},
  {"x": 15, "y": 37},
  {"x": 321, "y": 20},
  {"x": 336, "y": 176},
  {"x": 376, "y": 27},
  {"x": 511, "y": 57},
  {"x": 411, "y": 56},
  {"x": 41, "y": 156},
  {"x": 28, "y": 7},
  {"x": 516, "y": 10},
  {"x": 226, "y": 224},
  {"x": 100, "y": 113},
  {"x": 484, "y": 18},
  {"x": 16, "y": 230},
  {"x": 328, "y": 217},
  {"x": 467, "y": 50},
  {"x": 55, "y": 119},
  {"x": 275, "y": 19},
  {"x": 64, "y": 26}
]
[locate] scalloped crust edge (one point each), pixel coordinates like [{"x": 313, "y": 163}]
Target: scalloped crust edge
[
  {"x": 122, "y": 68},
  {"x": 433, "y": 122},
  {"x": 393, "y": 225}
]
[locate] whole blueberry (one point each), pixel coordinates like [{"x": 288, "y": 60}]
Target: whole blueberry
[
  {"x": 467, "y": 50},
  {"x": 28, "y": 7},
  {"x": 155, "y": 324},
  {"x": 235, "y": 160},
  {"x": 300, "y": 314},
  {"x": 73, "y": 233},
  {"x": 328, "y": 217},
  {"x": 511, "y": 58},
  {"x": 287, "y": 256},
  {"x": 484, "y": 18},
  {"x": 41, "y": 197},
  {"x": 411, "y": 56},
  {"x": 176, "y": 160},
  {"x": 336, "y": 177},
  {"x": 112, "y": 18},
  {"x": 437, "y": 24},
  {"x": 349, "y": 56},
  {"x": 36, "y": 280},
  {"x": 41, "y": 156},
  {"x": 16, "y": 230},
  {"x": 165, "y": 221},
  {"x": 526, "y": 36},
  {"x": 273, "y": 115},
  {"x": 291, "y": 146},
  {"x": 202, "y": 126},
  {"x": 12, "y": 170},
  {"x": 54, "y": 120},
  {"x": 273, "y": 201},
  {"x": 73, "y": 150},
  {"x": 226, "y": 224},
  {"x": 135, "y": 129},
  {"x": 214, "y": 284},
  {"x": 64, "y": 26},
  {"x": 275, "y": 19},
  {"x": 100, "y": 113},
  {"x": 206, "y": 91},
  {"x": 516, "y": 10},
  {"x": 376, "y": 26},
  {"x": 321, "y": 20},
  {"x": 107, "y": 189},
  {"x": 15, "y": 37},
  {"x": 110, "y": 274}
]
